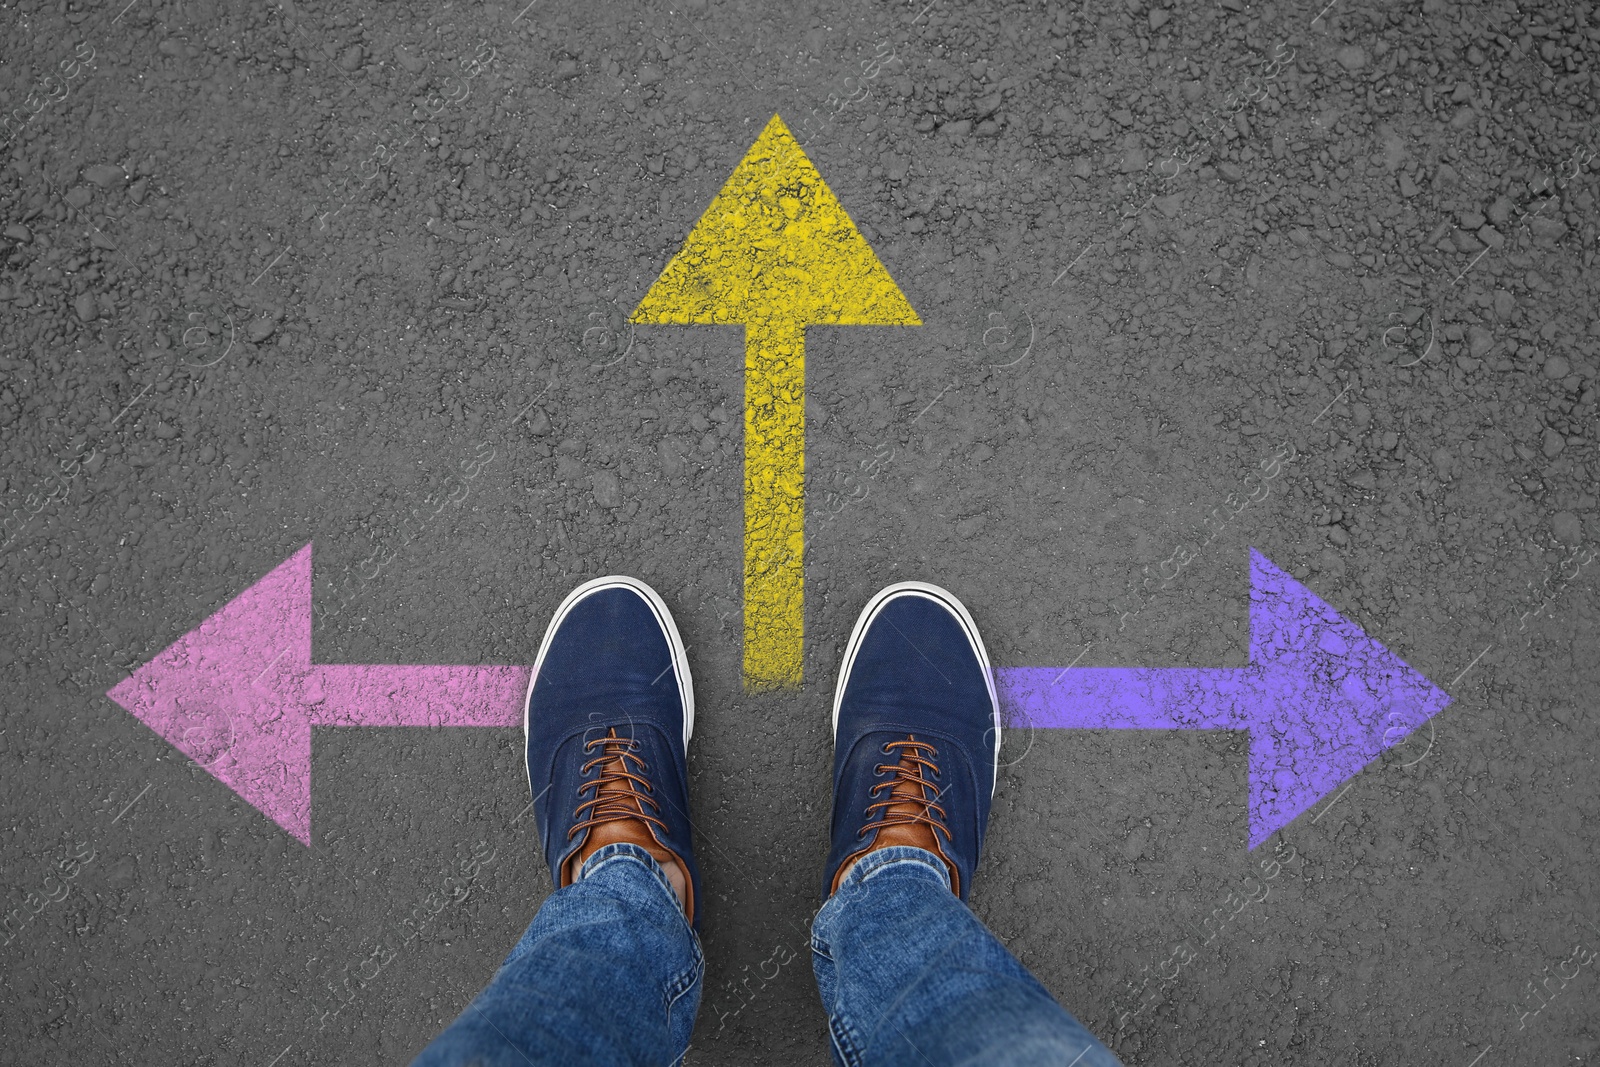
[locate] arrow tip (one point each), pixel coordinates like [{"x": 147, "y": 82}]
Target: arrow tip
[
  {"x": 219, "y": 695},
  {"x": 1337, "y": 699},
  {"x": 775, "y": 245}
]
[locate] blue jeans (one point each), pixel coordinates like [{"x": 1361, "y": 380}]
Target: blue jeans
[{"x": 609, "y": 973}]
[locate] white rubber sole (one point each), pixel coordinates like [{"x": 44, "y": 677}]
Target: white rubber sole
[
  {"x": 680, "y": 658},
  {"x": 945, "y": 599}
]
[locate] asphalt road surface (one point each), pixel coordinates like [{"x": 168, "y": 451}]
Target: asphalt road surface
[{"x": 1192, "y": 280}]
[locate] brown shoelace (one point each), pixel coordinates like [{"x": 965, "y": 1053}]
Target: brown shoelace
[
  {"x": 908, "y": 803},
  {"x": 620, "y": 792}
]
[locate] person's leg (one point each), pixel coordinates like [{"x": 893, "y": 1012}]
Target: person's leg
[
  {"x": 609, "y": 971},
  {"x": 907, "y": 973}
]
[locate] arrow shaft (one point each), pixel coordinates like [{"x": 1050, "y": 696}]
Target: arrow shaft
[
  {"x": 1129, "y": 698},
  {"x": 381, "y": 695},
  {"x": 774, "y": 503}
]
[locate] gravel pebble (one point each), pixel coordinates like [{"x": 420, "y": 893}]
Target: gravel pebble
[
  {"x": 1567, "y": 528},
  {"x": 1351, "y": 57},
  {"x": 104, "y": 175},
  {"x": 410, "y": 63},
  {"x": 607, "y": 489}
]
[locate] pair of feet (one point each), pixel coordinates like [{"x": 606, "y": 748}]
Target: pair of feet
[{"x": 610, "y": 709}]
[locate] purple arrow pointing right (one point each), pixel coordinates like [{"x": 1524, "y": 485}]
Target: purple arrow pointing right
[{"x": 1320, "y": 698}]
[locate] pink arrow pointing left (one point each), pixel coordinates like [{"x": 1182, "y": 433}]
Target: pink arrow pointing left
[{"x": 239, "y": 694}]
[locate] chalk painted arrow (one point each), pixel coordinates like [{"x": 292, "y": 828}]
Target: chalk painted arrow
[
  {"x": 775, "y": 252},
  {"x": 1320, "y": 698},
  {"x": 239, "y": 695}
]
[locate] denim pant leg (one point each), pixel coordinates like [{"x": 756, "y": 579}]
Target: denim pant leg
[
  {"x": 607, "y": 973},
  {"x": 910, "y": 976}
]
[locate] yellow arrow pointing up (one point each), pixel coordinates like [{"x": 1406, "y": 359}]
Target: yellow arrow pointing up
[{"x": 775, "y": 252}]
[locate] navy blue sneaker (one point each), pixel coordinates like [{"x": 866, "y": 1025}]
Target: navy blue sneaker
[
  {"x": 609, "y": 712},
  {"x": 916, "y": 734}
]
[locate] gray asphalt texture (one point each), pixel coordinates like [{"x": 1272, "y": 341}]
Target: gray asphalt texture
[{"x": 284, "y": 273}]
